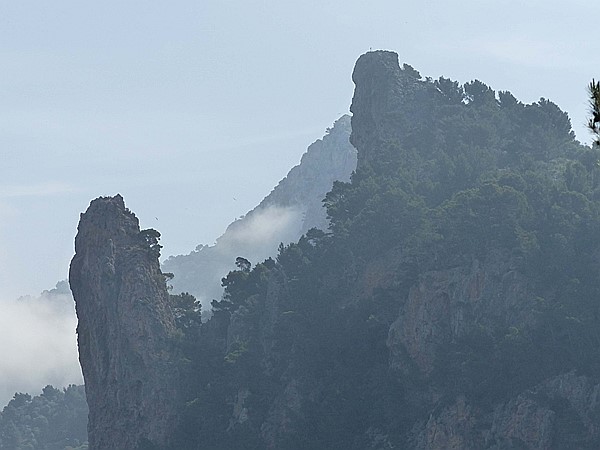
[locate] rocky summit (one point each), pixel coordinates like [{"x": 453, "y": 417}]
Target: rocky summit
[{"x": 125, "y": 329}]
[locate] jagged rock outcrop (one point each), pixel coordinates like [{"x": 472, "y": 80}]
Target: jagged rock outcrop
[
  {"x": 560, "y": 412},
  {"x": 444, "y": 307},
  {"x": 389, "y": 103},
  {"x": 125, "y": 329},
  {"x": 448, "y": 305},
  {"x": 292, "y": 208}
]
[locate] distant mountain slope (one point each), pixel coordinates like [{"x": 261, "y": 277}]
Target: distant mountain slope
[{"x": 292, "y": 208}]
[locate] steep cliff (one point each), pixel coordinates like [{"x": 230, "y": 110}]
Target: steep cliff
[
  {"x": 292, "y": 208},
  {"x": 389, "y": 102},
  {"x": 125, "y": 329},
  {"x": 447, "y": 305}
]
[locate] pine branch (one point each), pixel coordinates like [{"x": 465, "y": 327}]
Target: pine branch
[{"x": 594, "y": 122}]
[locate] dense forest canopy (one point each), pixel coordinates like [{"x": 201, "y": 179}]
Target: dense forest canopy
[
  {"x": 54, "y": 420},
  {"x": 448, "y": 175}
]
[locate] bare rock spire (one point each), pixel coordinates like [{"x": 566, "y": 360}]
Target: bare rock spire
[{"x": 125, "y": 330}]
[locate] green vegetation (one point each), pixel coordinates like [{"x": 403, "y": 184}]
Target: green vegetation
[
  {"x": 53, "y": 420},
  {"x": 149, "y": 239},
  {"x": 485, "y": 173}
]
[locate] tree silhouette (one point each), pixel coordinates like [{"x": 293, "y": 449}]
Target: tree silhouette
[{"x": 594, "y": 122}]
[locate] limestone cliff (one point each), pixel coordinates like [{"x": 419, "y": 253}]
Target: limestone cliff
[
  {"x": 447, "y": 305},
  {"x": 561, "y": 412},
  {"x": 450, "y": 306},
  {"x": 125, "y": 329},
  {"x": 390, "y": 103}
]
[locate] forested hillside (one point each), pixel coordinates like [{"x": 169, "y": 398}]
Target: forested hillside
[
  {"x": 54, "y": 420},
  {"x": 452, "y": 303}
]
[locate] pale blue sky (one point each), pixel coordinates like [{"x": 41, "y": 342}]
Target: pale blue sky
[{"x": 182, "y": 106}]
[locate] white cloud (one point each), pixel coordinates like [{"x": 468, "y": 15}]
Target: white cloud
[
  {"x": 38, "y": 344},
  {"x": 255, "y": 237},
  {"x": 264, "y": 227}
]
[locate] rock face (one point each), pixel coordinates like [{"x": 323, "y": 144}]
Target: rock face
[
  {"x": 388, "y": 103},
  {"x": 292, "y": 208},
  {"x": 447, "y": 305},
  {"x": 557, "y": 413},
  {"x": 125, "y": 329}
]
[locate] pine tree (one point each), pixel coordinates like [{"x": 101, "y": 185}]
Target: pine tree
[{"x": 594, "y": 122}]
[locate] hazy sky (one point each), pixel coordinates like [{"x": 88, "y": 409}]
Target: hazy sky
[{"x": 193, "y": 110}]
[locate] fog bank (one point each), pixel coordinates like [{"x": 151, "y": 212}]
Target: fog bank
[{"x": 39, "y": 344}]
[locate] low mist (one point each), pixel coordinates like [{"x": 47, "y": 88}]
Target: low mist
[
  {"x": 254, "y": 237},
  {"x": 261, "y": 231},
  {"x": 40, "y": 343}
]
